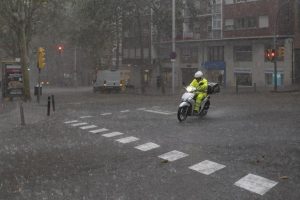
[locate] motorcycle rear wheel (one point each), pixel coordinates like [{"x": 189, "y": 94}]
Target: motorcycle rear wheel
[{"x": 182, "y": 113}]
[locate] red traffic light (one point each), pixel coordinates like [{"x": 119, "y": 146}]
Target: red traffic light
[
  {"x": 60, "y": 48},
  {"x": 270, "y": 54}
]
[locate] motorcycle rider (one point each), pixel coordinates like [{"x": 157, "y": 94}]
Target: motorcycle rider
[{"x": 201, "y": 85}]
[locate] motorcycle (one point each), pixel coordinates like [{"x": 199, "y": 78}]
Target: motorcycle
[{"x": 188, "y": 101}]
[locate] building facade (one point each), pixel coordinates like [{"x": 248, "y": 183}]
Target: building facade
[{"x": 227, "y": 39}]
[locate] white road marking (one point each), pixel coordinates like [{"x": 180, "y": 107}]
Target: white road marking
[
  {"x": 99, "y": 130},
  {"x": 256, "y": 184},
  {"x": 207, "y": 167},
  {"x": 70, "y": 122},
  {"x": 113, "y": 134},
  {"x": 124, "y": 111},
  {"x": 173, "y": 155},
  {"x": 141, "y": 109},
  {"x": 83, "y": 117},
  {"x": 104, "y": 114},
  {"x": 79, "y": 124},
  {"x": 88, "y": 127},
  {"x": 127, "y": 140},
  {"x": 147, "y": 146},
  {"x": 160, "y": 112}
]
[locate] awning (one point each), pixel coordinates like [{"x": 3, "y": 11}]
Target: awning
[{"x": 215, "y": 65}]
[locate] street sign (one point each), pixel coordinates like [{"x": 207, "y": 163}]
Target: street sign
[{"x": 173, "y": 55}]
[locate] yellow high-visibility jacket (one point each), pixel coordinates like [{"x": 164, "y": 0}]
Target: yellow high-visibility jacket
[{"x": 200, "y": 86}]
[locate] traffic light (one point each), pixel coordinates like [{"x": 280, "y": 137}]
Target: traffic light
[
  {"x": 281, "y": 52},
  {"x": 270, "y": 54},
  {"x": 41, "y": 58},
  {"x": 60, "y": 49}
]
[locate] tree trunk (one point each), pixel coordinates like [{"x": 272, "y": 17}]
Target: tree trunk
[
  {"x": 24, "y": 61},
  {"x": 160, "y": 67},
  {"x": 140, "y": 32}
]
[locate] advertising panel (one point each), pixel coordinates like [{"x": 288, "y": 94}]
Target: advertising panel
[{"x": 12, "y": 79}]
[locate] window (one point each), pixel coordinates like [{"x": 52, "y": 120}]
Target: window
[
  {"x": 125, "y": 53},
  {"x": 216, "y": 22},
  {"x": 216, "y": 53},
  {"x": 244, "y": 23},
  {"x": 228, "y": 1},
  {"x": 263, "y": 21},
  {"x": 242, "y": 53},
  {"x": 269, "y": 79},
  {"x": 229, "y": 24},
  {"x": 189, "y": 54},
  {"x": 243, "y": 78}
]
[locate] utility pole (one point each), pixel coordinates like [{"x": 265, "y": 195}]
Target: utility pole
[
  {"x": 173, "y": 46},
  {"x": 75, "y": 67},
  {"x": 275, "y": 42}
]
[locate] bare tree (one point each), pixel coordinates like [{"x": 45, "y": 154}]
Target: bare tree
[{"x": 19, "y": 17}]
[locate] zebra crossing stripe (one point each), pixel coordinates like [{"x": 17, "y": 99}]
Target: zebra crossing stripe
[
  {"x": 147, "y": 146},
  {"x": 104, "y": 114},
  {"x": 173, "y": 155},
  {"x": 99, "y": 130},
  {"x": 79, "y": 124},
  {"x": 83, "y": 117},
  {"x": 207, "y": 167},
  {"x": 113, "y": 134},
  {"x": 256, "y": 184},
  {"x": 127, "y": 140},
  {"x": 159, "y": 112},
  {"x": 70, "y": 122},
  {"x": 88, "y": 127},
  {"x": 124, "y": 111}
]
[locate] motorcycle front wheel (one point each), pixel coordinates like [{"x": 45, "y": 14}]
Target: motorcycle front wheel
[{"x": 182, "y": 113}]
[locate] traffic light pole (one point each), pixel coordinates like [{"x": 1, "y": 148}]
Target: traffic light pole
[
  {"x": 275, "y": 60},
  {"x": 39, "y": 86}
]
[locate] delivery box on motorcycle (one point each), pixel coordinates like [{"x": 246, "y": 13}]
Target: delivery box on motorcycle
[{"x": 213, "y": 88}]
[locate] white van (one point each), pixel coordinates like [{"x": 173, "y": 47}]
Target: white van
[{"x": 107, "y": 80}]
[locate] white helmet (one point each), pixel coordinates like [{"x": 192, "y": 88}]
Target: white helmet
[{"x": 198, "y": 74}]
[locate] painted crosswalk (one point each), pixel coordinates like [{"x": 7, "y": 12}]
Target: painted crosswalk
[
  {"x": 127, "y": 139},
  {"x": 207, "y": 167},
  {"x": 256, "y": 184},
  {"x": 105, "y": 114},
  {"x": 173, "y": 155},
  {"x": 160, "y": 112},
  {"x": 113, "y": 134},
  {"x": 79, "y": 124},
  {"x": 99, "y": 130},
  {"x": 84, "y": 117},
  {"x": 147, "y": 146},
  {"x": 88, "y": 127},
  {"x": 70, "y": 122},
  {"x": 250, "y": 182}
]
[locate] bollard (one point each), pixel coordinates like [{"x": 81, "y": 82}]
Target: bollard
[
  {"x": 22, "y": 114},
  {"x": 48, "y": 106},
  {"x": 53, "y": 103}
]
